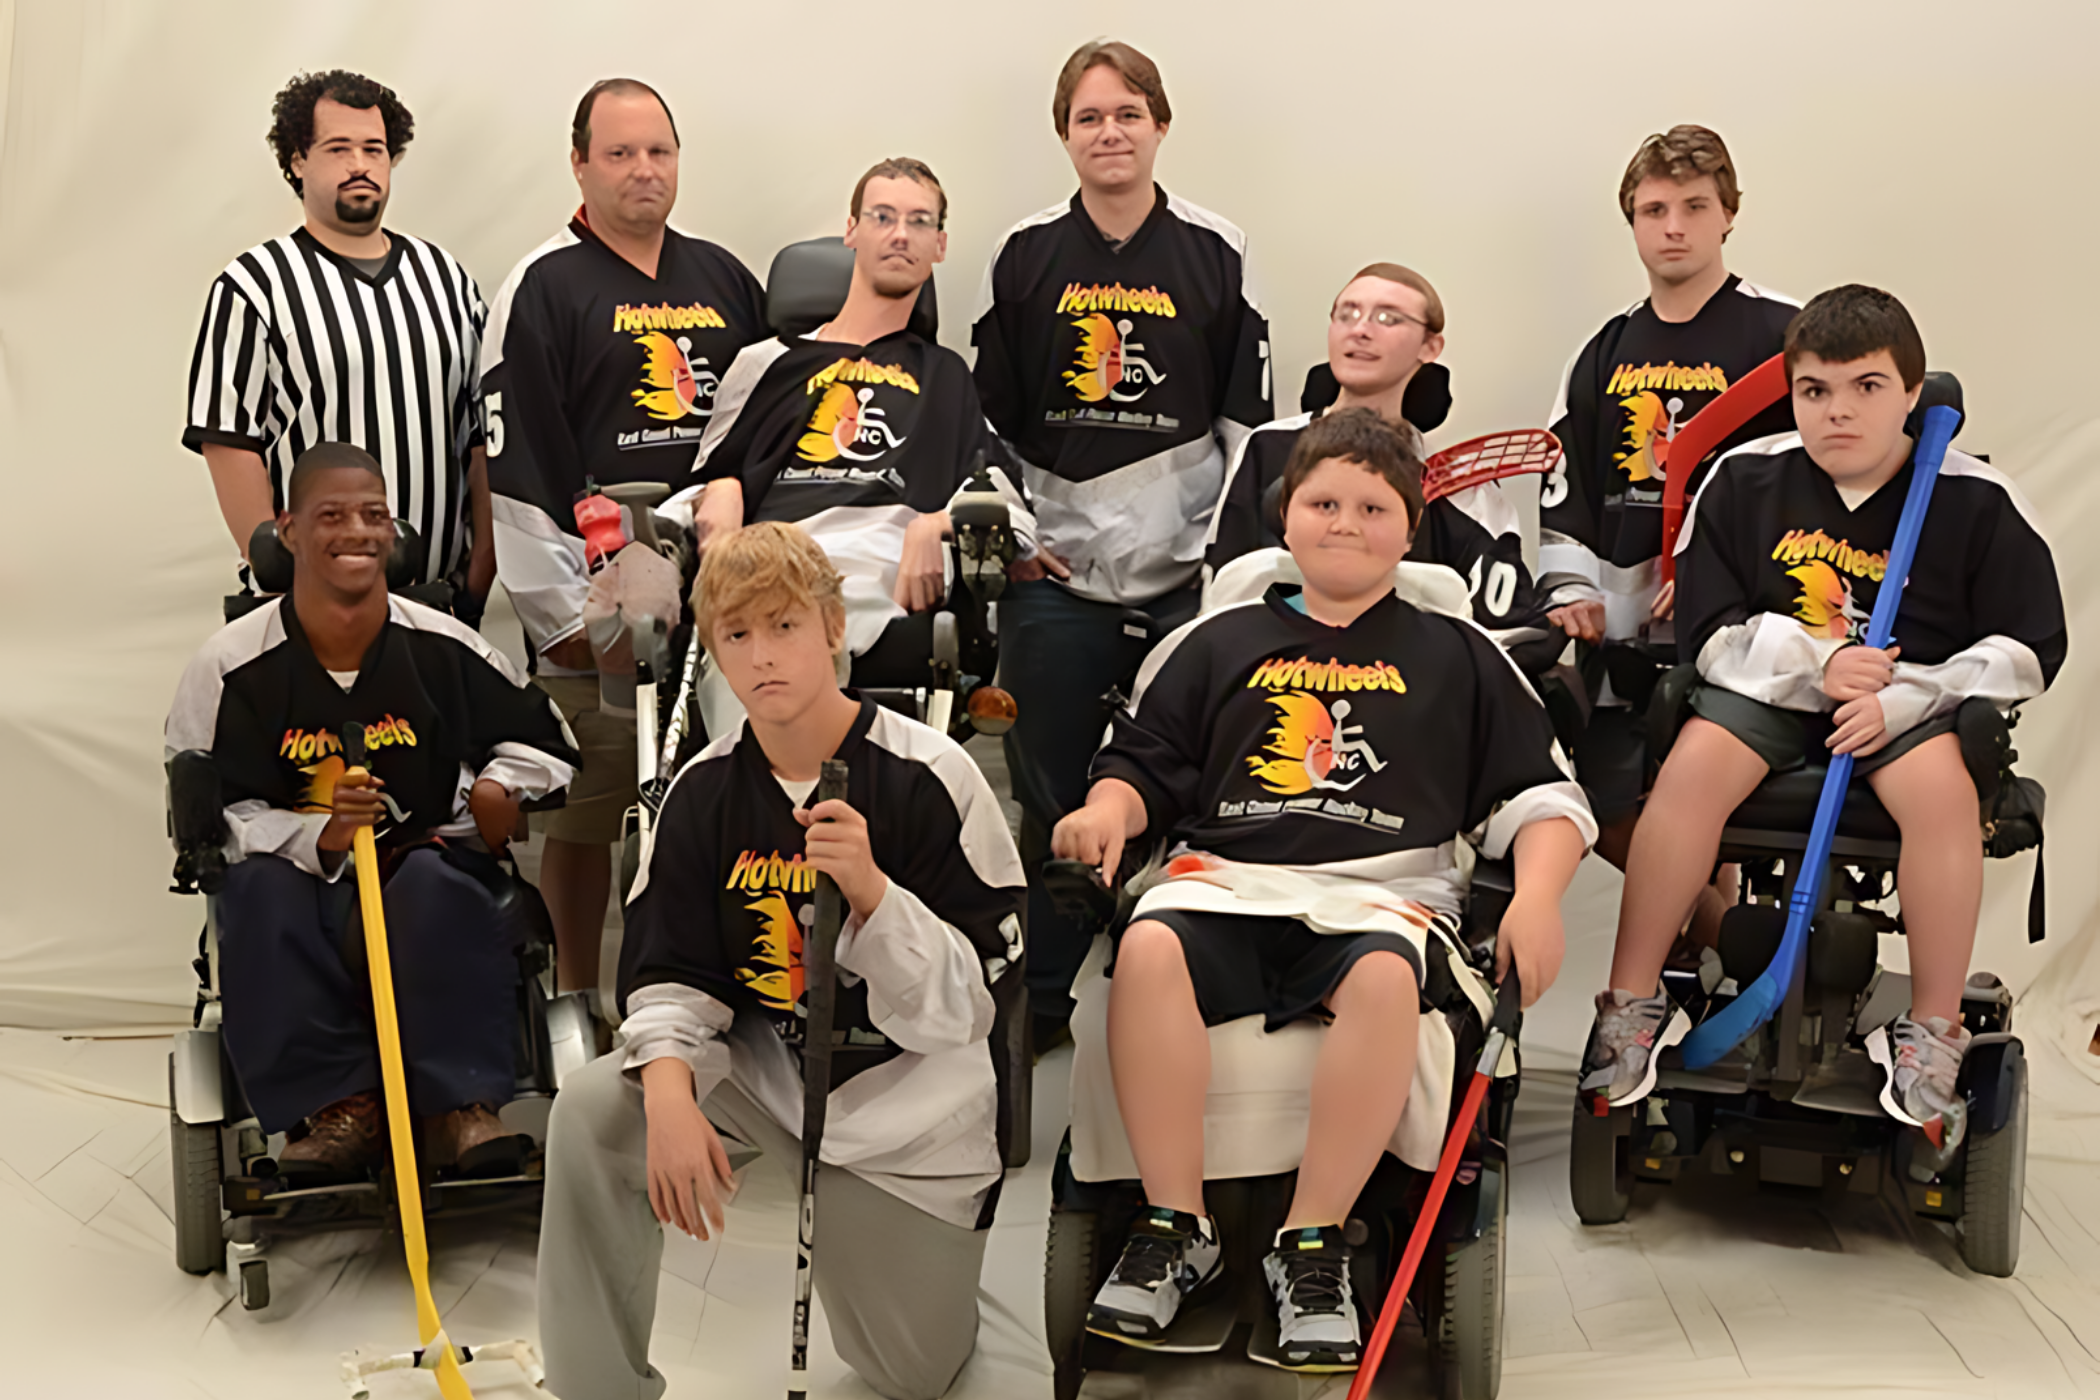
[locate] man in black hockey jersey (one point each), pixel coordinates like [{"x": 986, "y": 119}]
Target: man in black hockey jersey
[
  {"x": 1778, "y": 569},
  {"x": 1386, "y": 324},
  {"x": 1314, "y": 754},
  {"x": 600, "y": 365},
  {"x": 711, "y": 978},
  {"x": 1121, "y": 353},
  {"x": 1626, "y": 392},
  {"x": 861, "y": 432},
  {"x": 458, "y": 740}
]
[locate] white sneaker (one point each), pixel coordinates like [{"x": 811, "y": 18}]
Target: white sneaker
[
  {"x": 1923, "y": 1061},
  {"x": 1170, "y": 1254},
  {"x": 1631, "y": 1032},
  {"x": 1316, "y": 1322}
]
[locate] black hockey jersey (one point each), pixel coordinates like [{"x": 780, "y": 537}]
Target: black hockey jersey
[
  {"x": 1776, "y": 572},
  {"x": 815, "y": 425},
  {"x": 592, "y": 369},
  {"x": 439, "y": 705},
  {"x": 1628, "y": 390},
  {"x": 724, "y": 896},
  {"x": 1473, "y": 532},
  {"x": 1262, "y": 736},
  {"x": 1123, "y": 377}
]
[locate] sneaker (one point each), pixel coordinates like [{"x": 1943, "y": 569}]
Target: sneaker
[
  {"x": 1923, "y": 1061},
  {"x": 1619, "y": 1064},
  {"x": 1316, "y": 1322},
  {"x": 1170, "y": 1254}
]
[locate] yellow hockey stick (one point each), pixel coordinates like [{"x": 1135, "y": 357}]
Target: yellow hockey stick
[{"x": 408, "y": 1186}]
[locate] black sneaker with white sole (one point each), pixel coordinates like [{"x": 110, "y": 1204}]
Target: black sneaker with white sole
[
  {"x": 1169, "y": 1255},
  {"x": 1317, "y": 1327}
]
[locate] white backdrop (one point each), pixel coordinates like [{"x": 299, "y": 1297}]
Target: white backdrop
[{"x": 1941, "y": 150}]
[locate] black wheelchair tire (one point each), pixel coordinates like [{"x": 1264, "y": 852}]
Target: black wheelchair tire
[
  {"x": 1469, "y": 1329},
  {"x": 1994, "y": 1190},
  {"x": 1071, "y": 1262},
  {"x": 193, "y": 1151},
  {"x": 1600, "y": 1173}
]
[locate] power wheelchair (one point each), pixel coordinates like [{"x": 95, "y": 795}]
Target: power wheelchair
[
  {"x": 1255, "y": 1123},
  {"x": 935, "y": 667},
  {"x": 1799, "y": 1102},
  {"x": 231, "y": 1201}
]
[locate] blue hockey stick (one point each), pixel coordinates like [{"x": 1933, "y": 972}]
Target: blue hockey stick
[{"x": 1729, "y": 1027}]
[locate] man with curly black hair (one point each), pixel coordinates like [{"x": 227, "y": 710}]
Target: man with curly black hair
[{"x": 346, "y": 331}]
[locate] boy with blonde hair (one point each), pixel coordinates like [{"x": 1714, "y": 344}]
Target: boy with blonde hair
[{"x": 711, "y": 985}]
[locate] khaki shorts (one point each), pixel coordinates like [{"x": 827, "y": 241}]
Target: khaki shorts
[{"x": 605, "y": 785}]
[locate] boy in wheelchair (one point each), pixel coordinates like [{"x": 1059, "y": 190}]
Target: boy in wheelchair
[
  {"x": 1778, "y": 569},
  {"x": 862, "y": 432},
  {"x": 1314, "y": 754},
  {"x": 711, "y": 979},
  {"x": 458, "y": 742}
]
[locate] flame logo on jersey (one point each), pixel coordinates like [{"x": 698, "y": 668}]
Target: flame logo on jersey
[
  {"x": 1108, "y": 363},
  {"x": 671, "y": 388},
  {"x": 1825, "y": 607},
  {"x": 774, "y": 973},
  {"x": 846, "y": 425},
  {"x": 319, "y": 795},
  {"x": 1651, "y": 419},
  {"x": 1309, "y": 745}
]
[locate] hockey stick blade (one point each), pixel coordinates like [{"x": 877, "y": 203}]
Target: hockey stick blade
[{"x": 1726, "y": 1029}]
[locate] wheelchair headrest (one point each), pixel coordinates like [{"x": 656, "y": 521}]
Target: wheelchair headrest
[
  {"x": 807, "y": 284},
  {"x": 1940, "y": 388},
  {"x": 1426, "y": 404},
  {"x": 270, "y": 563}
]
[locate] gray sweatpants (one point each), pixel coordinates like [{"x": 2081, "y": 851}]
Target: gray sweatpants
[{"x": 898, "y": 1285}]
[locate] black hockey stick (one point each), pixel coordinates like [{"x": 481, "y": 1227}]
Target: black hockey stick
[{"x": 819, "y": 992}]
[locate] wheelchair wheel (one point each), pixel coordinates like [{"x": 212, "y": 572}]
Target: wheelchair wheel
[
  {"x": 1071, "y": 1274},
  {"x": 1994, "y": 1192},
  {"x": 1600, "y": 1174},
  {"x": 1469, "y": 1330},
  {"x": 193, "y": 1152}
]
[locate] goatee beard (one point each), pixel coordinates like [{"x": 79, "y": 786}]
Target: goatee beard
[{"x": 365, "y": 213}]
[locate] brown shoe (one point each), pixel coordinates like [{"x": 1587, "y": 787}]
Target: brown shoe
[
  {"x": 454, "y": 1135},
  {"x": 345, "y": 1137}
]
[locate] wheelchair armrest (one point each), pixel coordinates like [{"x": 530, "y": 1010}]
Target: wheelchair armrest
[
  {"x": 197, "y": 822},
  {"x": 1668, "y": 708},
  {"x": 1488, "y": 894},
  {"x": 1078, "y": 894}
]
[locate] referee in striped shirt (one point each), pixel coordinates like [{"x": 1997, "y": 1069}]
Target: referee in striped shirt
[{"x": 346, "y": 331}]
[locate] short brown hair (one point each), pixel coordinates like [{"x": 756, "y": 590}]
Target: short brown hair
[
  {"x": 1852, "y": 322},
  {"x": 768, "y": 567},
  {"x": 902, "y": 168},
  {"x": 1138, "y": 71},
  {"x": 1433, "y": 307},
  {"x": 1357, "y": 435},
  {"x": 1683, "y": 153},
  {"x": 580, "y": 128}
]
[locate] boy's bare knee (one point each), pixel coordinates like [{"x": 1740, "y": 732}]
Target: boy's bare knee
[
  {"x": 1383, "y": 977},
  {"x": 1149, "y": 949}
]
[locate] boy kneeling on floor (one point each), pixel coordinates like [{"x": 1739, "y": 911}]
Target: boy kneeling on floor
[
  {"x": 1778, "y": 569},
  {"x": 711, "y": 982},
  {"x": 1315, "y": 754}
]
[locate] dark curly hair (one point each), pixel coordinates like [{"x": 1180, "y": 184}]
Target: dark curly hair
[{"x": 292, "y": 115}]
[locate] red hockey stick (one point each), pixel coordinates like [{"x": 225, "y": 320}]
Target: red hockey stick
[
  {"x": 1509, "y": 1000},
  {"x": 1490, "y": 458},
  {"x": 1710, "y": 426}
]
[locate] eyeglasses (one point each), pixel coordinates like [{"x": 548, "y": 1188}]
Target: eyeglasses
[
  {"x": 918, "y": 223},
  {"x": 1348, "y": 313}
]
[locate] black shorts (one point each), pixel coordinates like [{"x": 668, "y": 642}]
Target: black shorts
[
  {"x": 1260, "y": 964},
  {"x": 1789, "y": 739},
  {"x": 1611, "y": 762}
]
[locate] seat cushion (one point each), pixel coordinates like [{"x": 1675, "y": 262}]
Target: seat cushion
[
  {"x": 1254, "y": 1121},
  {"x": 1787, "y": 802}
]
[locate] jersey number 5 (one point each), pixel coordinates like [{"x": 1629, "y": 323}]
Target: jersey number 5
[{"x": 492, "y": 423}]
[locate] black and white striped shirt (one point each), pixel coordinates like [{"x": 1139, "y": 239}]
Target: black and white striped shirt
[{"x": 300, "y": 346}]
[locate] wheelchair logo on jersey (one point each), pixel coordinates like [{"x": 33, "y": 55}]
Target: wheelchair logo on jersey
[
  {"x": 1313, "y": 748},
  {"x": 672, "y": 388},
  {"x": 1110, "y": 365},
  {"x": 847, "y": 426}
]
